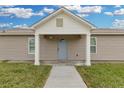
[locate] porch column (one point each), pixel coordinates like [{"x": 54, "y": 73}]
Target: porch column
[
  {"x": 88, "y": 61},
  {"x": 37, "y": 61}
]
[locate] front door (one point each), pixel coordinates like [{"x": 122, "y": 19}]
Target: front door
[{"x": 62, "y": 49}]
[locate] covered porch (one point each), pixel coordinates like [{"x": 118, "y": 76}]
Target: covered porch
[{"x": 62, "y": 47}]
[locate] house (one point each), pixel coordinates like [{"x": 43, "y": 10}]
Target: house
[{"x": 62, "y": 36}]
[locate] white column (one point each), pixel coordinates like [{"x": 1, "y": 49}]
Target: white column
[
  {"x": 88, "y": 61},
  {"x": 37, "y": 39}
]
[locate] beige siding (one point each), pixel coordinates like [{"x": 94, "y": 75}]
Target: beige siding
[
  {"x": 48, "y": 49},
  {"x": 109, "y": 48},
  {"x": 76, "y": 49},
  {"x": 14, "y": 48}
]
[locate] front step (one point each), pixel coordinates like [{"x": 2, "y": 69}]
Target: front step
[{"x": 71, "y": 63}]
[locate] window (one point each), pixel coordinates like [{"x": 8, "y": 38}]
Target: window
[
  {"x": 31, "y": 45},
  {"x": 59, "y": 22},
  {"x": 93, "y": 45}
]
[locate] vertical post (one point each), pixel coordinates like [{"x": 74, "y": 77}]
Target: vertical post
[
  {"x": 37, "y": 61},
  {"x": 88, "y": 61}
]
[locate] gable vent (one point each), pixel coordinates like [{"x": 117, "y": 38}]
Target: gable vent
[{"x": 59, "y": 22}]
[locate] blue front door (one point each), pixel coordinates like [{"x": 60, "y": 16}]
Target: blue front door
[{"x": 62, "y": 49}]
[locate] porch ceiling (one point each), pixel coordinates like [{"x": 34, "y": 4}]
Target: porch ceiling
[{"x": 62, "y": 37}]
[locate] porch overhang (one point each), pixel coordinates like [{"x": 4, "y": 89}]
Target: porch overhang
[{"x": 62, "y": 32}]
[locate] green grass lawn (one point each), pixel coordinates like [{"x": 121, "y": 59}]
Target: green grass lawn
[
  {"x": 25, "y": 75},
  {"x": 103, "y": 75}
]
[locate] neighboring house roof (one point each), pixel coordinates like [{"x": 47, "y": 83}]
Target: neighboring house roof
[
  {"x": 107, "y": 31},
  {"x": 65, "y": 10}
]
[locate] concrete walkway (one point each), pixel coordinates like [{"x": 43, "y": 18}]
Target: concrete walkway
[{"x": 64, "y": 77}]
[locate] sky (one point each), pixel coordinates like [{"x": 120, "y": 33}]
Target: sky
[{"x": 102, "y": 16}]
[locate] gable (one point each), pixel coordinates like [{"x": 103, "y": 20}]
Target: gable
[
  {"x": 71, "y": 23},
  {"x": 67, "y": 12}
]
